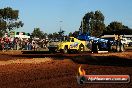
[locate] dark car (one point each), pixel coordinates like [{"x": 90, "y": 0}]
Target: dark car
[{"x": 130, "y": 44}]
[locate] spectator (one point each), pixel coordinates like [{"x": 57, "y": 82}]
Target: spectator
[
  {"x": 0, "y": 44},
  {"x": 34, "y": 45},
  {"x": 26, "y": 43},
  {"x": 11, "y": 43},
  {"x": 29, "y": 46},
  {"x": 6, "y": 43},
  {"x": 23, "y": 45}
]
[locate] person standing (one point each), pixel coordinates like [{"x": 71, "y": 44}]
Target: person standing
[
  {"x": 25, "y": 44},
  {"x": 0, "y": 44},
  {"x": 6, "y": 43}
]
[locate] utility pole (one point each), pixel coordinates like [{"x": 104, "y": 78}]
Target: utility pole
[
  {"x": 60, "y": 32},
  {"x": 61, "y": 26}
]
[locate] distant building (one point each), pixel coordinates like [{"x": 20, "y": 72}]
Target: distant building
[{"x": 22, "y": 35}]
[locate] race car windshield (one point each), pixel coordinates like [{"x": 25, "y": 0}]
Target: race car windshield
[{"x": 67, "y": 39}]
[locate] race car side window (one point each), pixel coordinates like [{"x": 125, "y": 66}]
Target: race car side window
[{"x": 72, "y": 40}]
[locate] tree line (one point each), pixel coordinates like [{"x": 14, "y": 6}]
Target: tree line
[
  {"x": 40, "y": 34},
  {"x": 92, "y": 24}
]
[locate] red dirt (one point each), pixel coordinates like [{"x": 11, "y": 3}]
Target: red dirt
[{"x": 19, "y": 72}]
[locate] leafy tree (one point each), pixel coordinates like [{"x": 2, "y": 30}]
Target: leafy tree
[
  {"x": 55, "y": 35},
  {"x": 2, "y": 27},
  {"x": 45, "y": 35},
  {"x": 61, "y": 33},
  {"x": 38, "y": 33},
  {"x": 2, "y": 24},
  {"x": 117, "y": 28},
  {"x": 75, "y": 34},
  {"x": 9, "y": 19},
  {"x": 70, "y": 34},
  {"x": 50, "y": 36},
  {"x": 93, "y": 23},
  {"x": 1, "y": 33},
  {"x": 114, "y": 26}
]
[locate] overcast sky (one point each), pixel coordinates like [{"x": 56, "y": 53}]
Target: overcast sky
[{"x": 49, "y": 15}]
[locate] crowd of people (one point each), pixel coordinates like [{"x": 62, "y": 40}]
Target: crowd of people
[{"x": 12, "y": 43}]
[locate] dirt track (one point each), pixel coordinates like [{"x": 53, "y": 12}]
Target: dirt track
[{"x": 19, "y": 72}]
